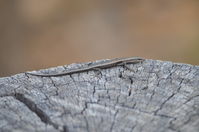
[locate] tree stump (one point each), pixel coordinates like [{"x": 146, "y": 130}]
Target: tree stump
[{"x": 154, "y": 96}]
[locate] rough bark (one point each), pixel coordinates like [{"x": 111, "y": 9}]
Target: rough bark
[{"x": 155, "y": 96}]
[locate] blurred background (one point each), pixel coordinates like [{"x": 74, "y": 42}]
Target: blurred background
[{"x": 37, "y": 34}]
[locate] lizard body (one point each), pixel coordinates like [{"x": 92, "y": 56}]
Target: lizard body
[{"x": 108, "y": 64}]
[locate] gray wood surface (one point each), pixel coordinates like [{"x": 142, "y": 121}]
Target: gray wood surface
[{"x": 155, "y": 96}]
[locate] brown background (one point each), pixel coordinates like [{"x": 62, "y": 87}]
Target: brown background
[{"x": 37, "y": 34}]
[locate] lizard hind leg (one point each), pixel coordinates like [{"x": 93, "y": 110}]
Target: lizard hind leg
[
  {"x": 97, "y": 71},
  {"x": 124, "y": 64}
]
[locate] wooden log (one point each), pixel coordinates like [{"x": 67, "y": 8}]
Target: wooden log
[{"x": 155, "y": 96}]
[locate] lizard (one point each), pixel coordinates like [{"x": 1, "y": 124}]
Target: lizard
[{"x": 108, "y": 64}]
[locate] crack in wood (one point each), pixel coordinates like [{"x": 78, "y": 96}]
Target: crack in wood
[{"x": 33, "y": 107}]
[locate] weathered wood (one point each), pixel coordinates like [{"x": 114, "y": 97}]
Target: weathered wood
[{"x": 155, "y": 96}]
